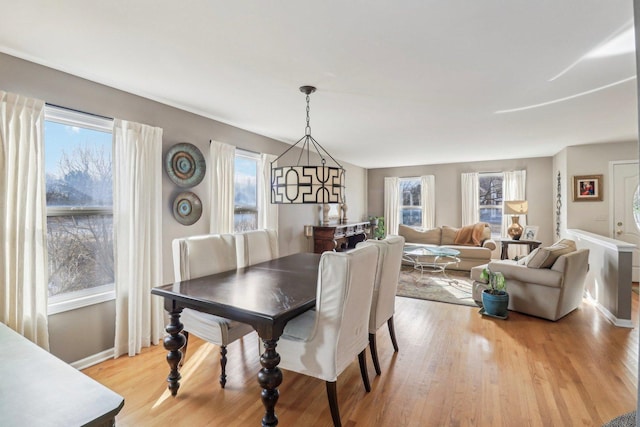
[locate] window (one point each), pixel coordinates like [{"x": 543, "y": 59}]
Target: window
[
  {"x": 79, "y": 197},
  {"x": 490, "y": 185},
  {"x": 246, "y": 191},
  {"x": 410, "y": 202}
]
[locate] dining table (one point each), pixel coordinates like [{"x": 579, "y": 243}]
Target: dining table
[{"x": 265, "y": 295}]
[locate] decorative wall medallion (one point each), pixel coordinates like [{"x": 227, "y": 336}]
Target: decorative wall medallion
[
  {"x": 185, "y": 164},
  {"x": 187, "y": 208}
]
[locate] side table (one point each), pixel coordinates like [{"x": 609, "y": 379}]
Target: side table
[{"x": 506, "y": 242}]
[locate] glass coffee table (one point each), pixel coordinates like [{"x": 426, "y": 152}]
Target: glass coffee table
[{"x": 434, "y": 258}]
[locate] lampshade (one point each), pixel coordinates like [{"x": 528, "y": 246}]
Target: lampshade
[
  {"x": 307, "y": 183},
  {"x": 516, "y": 207}
]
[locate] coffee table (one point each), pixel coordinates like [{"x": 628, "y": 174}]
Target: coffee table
[{"x": 439, "y": 257}]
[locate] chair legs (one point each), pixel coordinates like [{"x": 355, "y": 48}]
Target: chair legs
[
  {"x": 223, "y": 365},
  {"x": 332, "y": 394},
  {"x": 362, "y": 358},
  {"x": 392, "y": 332},
  {"x": 184, "y": 349},
  {"x": 374, "y": 353}
]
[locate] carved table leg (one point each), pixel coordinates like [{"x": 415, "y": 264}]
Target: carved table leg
[
  {"x": 173, "y": 343},
  {"x": 269, "y": 378}
]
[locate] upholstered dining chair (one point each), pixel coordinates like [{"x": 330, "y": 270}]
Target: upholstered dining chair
[
  {"x": 384, "y": 290},
  {"x": 256, "y": 246},
  {"x": 199, "y": 256},
  {"x": 323, "y": 342}
]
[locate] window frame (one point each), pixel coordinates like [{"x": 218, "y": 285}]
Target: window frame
[
  {"x": 247, "y": 209},
  {"x": 98, "y": 294},
  {"x": 401, "y": 198},
  {"x": 499, "y": 207}
]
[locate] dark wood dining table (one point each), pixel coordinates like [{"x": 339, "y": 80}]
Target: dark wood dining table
[{"x": 265, "y": 295}]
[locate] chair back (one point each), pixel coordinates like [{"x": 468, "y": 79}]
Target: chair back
[
  {"x": 202, "y": 255},
  {"x": 345, "y": 288},
  {"x": 256, "y": 246},
  {"x": 386, "y": 281}
]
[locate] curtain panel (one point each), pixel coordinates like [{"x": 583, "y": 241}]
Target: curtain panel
[
  {"x": 428, "y": 199},
  {"x": 137, "y": 219},
  {"x": 470, "y": 191},
  {"x": 222, "y": 159},
  {"x": 267, "y": 211},
  {"x": 23, "y": 218},
  {"x": 391, "y": 204}
]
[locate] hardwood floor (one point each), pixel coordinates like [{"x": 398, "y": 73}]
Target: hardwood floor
[{"x": 454, "y": 368}]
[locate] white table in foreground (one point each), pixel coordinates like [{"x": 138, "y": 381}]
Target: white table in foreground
[{"x": 439, "y": 257}]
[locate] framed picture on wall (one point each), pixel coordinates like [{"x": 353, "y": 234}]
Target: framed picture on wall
[
  {"x": 587, "y": 188},
  {"x": 530, "y": 232}
]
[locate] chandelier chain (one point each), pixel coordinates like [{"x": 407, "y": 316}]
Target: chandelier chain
[{"x": 307, "y": 129}]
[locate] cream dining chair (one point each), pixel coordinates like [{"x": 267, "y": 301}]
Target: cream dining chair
[
  {"x": 384, "y": 290},
  {"x": 323, "y": 342},
  {"x": 199, "y": 256},
  {"x": 256, "y": 246}
]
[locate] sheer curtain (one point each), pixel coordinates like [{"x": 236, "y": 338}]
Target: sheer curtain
[
  {"x": 222, "y": 160},
  {"x": 428, "y": 200},
  {"x": 391, "y": 204},
  {"x": 23, "y": 227},
  {"x": 267, "y": 212},
  {"x": 137, "y": 219},
  {"x": 470, "y": 202},
  {"x": 514, "y": 188}
]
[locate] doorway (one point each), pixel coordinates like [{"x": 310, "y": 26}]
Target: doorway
[{"x": 626, "y": 208}]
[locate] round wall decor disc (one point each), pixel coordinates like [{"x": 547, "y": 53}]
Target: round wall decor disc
[
  {"x": 187, "y": 208},
  {"x": 185, "y": 164}
]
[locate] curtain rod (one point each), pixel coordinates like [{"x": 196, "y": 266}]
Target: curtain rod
[{"x": 77, "y": 111}]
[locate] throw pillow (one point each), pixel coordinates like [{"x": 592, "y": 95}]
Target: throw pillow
[
  {"x": 525, "y": 259},
  {"x": 449, "y": 235},
  {"x": 545, "y": 257}
]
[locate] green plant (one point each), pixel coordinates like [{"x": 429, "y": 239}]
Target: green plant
[
  {"x": 495, "y": 280},
  {"x": 380, "y": 230}
]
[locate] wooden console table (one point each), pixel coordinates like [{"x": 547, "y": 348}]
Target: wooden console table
[
  {"x": 339, "y": 237},
  {"x": 505, "y": 246}
]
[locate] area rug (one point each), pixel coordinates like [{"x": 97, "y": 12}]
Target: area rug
[
  {"x": 626, "y": 420},
  {"x": 454, "y": 288}
]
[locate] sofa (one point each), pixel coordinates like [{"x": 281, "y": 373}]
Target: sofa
[
  {"x": 474, "y": 242},
  {"x": 548, "y": 283}
]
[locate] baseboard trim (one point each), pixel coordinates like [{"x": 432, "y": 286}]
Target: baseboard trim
[
  {"x": 93, "y": 360},
  {"x": 622, "y": 323}
]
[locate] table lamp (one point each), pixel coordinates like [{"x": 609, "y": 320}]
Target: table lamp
[{"x": 515, "y": 208}]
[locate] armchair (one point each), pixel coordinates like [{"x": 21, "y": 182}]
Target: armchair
[
  {"x": 323, "y": 342},
  {"x": 550, "y": 289},
  {"x": 199, "y": 256}
]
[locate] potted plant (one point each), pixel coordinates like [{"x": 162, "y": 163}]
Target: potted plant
[
  {"x": 495, "y": 298},
  {"x": 380, "y": 231}
]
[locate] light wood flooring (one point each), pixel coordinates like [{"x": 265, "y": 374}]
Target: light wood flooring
[{"x": 454, "y": 368}]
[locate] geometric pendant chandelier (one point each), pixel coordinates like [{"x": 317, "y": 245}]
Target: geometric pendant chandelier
[{"x": 309, "y": 181}]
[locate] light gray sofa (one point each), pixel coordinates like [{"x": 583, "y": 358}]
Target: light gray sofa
[
  {"x": 548, "y": 283},
  {"x": 473, "y": 252}
]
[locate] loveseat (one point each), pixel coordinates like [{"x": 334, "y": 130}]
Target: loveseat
[
  {"x": 474, "y": 242},
  {"x": 547, "y": 283}
]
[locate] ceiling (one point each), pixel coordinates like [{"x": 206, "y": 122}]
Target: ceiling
[{"x": 402, "y": 83}]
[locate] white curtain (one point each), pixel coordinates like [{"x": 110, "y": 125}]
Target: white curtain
[
  {"x": 391, "y": 204},
  {"x": 514, "y": 188},
  {"x": 267, "y": 211},
  {"x": 137, "y": 219},
  {"x": 428, "y": 200},
  {"x": 23, "y": 227},
  {"x": 222, "y": 161},
  {"x": 470, "y": 202}
]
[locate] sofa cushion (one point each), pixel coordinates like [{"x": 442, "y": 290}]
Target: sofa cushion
[
  {"x": 545, "y": 257},
  {"x": 425, "y": 237}
]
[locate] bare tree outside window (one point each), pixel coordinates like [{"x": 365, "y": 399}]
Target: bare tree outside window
[
  {"x": 411, "y": 202},
  {"x": 79, "y": 194},
  {"x": 490, "y": 200}
]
